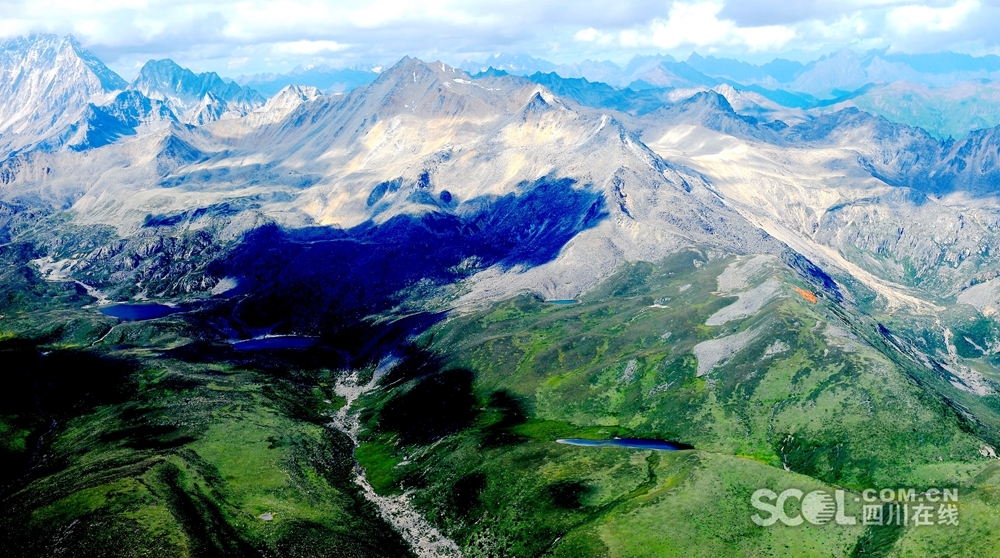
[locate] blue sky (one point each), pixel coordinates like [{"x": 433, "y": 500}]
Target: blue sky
[{"x": 250, "y": 36}]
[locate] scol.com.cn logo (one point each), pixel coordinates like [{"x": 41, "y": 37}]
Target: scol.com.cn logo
[{"x": 902, "y": 506}]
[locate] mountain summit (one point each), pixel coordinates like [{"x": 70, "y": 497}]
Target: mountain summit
[
  {"x": 199, "y": 97},
  {"x": 45, "y": 81}
]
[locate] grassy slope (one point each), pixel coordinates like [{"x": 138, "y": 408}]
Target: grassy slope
[
  {"x": 185, "y": 463},
  {"x": 177, "y": 453},
  {"x": 112, "y": 446},
  {"x": 826, "y": 411}
]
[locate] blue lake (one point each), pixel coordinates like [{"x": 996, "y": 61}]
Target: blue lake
[
  {"x": 562, "y": 301},
  {"x": 634, "y": 443},
  {"x": 141, "y": 311},
  {"x": 281, "y": 342}
]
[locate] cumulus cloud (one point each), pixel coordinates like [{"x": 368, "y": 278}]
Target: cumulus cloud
[
  {"x": 275, "y": 35},
  {"x": 309, "y": 47},
  {"x": 697, "y": 24},
  {"x": 907, "y": 19}
]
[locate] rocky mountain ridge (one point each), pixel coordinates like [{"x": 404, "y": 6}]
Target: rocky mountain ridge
[{"x": 429, "y": 139}]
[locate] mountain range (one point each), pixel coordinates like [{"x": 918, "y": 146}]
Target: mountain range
[
  {"x": 842, "y": 71},
  {"x": 58, "y": 94},
  {"x": 947, "y": 94},
  {"x": 324, "y": 78},
  {"x": 393, "y": 320}
]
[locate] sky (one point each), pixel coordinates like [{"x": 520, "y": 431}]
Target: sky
[{"x": 236, "y": 37}]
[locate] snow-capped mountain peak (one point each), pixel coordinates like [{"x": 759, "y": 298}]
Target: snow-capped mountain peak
[
  {"x": 290, "y": 97},
  {"x": 189, "y": 94},
  {"x": 45, "y": 81}
]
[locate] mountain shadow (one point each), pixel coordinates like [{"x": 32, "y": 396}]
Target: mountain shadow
[{"x": 326, "y": 279}]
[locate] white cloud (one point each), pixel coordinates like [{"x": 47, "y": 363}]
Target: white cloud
[
  {"x": 697, "y": 24},
  {"x": 765, "y": 38},
  {"x": 694, "y": 24},
  {"x": 907, "y": 19},
  {"x": 275, "y": 35},
  {"x": 591, "y": 35},
  {"x": 309, "y": 47},
  {"x": 587, "y": 35}
]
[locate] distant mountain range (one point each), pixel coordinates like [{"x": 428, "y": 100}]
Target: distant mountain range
[
  {"x": 947, "y": 94},
  {"x": 829, "y": 76},
  {"x": 323, "y": 78}
]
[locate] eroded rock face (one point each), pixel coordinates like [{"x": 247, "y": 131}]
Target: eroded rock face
[{"x": 46, "y": 82}]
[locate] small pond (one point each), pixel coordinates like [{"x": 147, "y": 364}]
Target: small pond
[
  {"x": 140, "y": 311},
  {"x": 634, "y": 443}
]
